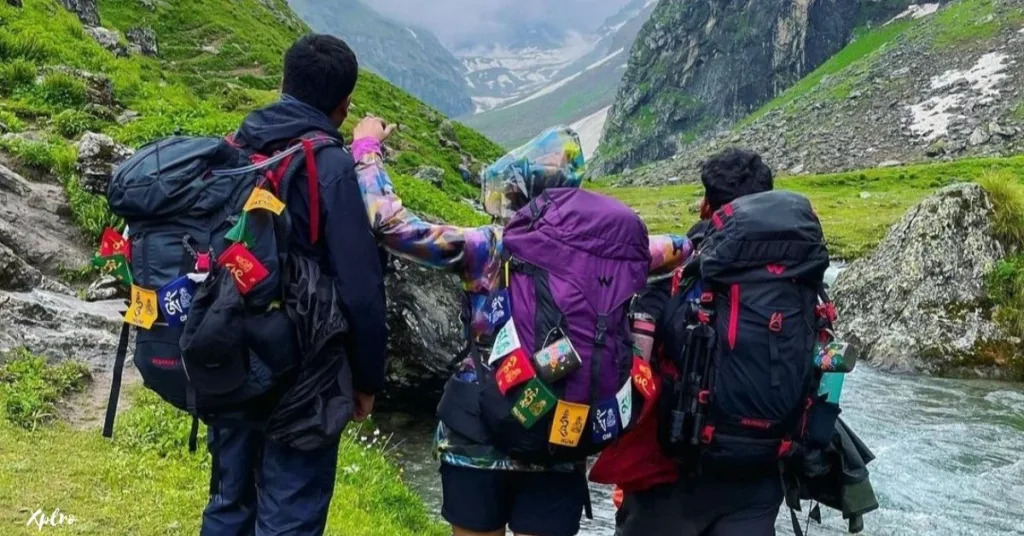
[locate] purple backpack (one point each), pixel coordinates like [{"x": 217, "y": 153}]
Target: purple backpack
[{"x": 576, "y": 260}]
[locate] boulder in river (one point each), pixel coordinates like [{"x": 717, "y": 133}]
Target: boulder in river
[{"x": 918, "y": 303}]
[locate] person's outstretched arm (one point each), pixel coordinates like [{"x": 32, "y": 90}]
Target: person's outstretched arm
[
  {"x": 465, "y": 251},
  {"x": 668, "y": 252}
]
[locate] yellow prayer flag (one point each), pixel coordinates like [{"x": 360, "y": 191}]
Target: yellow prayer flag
[
  {"x": 265, "y": 200},
  {"x": 569, "y": 424},
  {"x": 142, "y": 311}
]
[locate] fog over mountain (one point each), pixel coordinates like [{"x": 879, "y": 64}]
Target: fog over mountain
[{"x": 472, "y": 23}]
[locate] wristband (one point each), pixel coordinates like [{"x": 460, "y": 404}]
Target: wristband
[{"x": 363, "y": 147}]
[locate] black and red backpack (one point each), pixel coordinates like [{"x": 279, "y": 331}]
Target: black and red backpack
[
  {"x": 190, "y": 203},
  {"x": 737, "y": 338}
]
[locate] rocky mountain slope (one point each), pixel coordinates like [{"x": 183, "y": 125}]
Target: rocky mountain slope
[
  {"x": 698, "y": 65},
  {"x": 942, "y": 86},
  {"x": 521, "y": 92},
  {"x": 411, "y": 58},
  {"x": 71, "y": 109}
]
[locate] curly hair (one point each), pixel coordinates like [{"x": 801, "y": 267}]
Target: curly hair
[{"x": 732, "y": 174}]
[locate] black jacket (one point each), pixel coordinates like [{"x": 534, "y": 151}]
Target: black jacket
[{"x": 347, "y": 249}]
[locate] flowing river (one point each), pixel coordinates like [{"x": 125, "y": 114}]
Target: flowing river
[{"x": 949, "y": 457}]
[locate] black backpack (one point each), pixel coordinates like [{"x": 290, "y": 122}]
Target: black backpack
[
  {"x": 737, "y": 343},
  {"x": 208, "y": 239}
]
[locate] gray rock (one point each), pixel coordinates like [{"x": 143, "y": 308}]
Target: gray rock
[
  {"x": 980, "y": 136},
  {"x": 426, "y": 333},
  {"x": 127, "y": 117},
  {"x": 60, "y": 327},
  {"x": 890, "y": 164},
  {"x": 36, "y": 225},
  {"x": 145, "y": 39},
  {"x": 98, "y": 156},
  {"x": 107, "y": 39},
  {"x": 797, "y": 170},
  {"x": 918, "y": 303},
  {"x": 84, "y": 9},
  {"x": 998, "y": 130},
  {"x": 433, "y": 175},
  {"x": 106, "y": 288},
  {"x": 865, "y": 195},
  {"x": 210, "y": 49},
  {"x": 15, "y": 273}
]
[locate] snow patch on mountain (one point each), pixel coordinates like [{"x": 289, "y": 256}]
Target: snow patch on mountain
[
  {"x": 931, "y": 118},
  {"x": 589, "y": 129}
]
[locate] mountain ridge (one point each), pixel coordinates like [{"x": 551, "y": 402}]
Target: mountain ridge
[
  {"x": 410, "y": 57},
  {"x": 939, "y": 87},
  {"x": 580, "y": 83}
]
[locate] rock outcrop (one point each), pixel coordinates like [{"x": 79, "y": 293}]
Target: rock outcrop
[
  {"x": 144, "y": 40},
  {"x": 426, "y": 333},
  {"x": 918, "y": 304},
  {"x": 108, "y": 39},
  {"x": 701, "y": 63},
  {"x": 84, "y": 9},
  {"x": 98, "y": 157},
  {"x": 37, "y": 238}
]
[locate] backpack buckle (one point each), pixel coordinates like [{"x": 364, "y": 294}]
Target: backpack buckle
[
  {"x": 704, "y": 397},
  {"x": 707, "y": 298},
  {"x": 203, "y": 262},
  {"x": 707, "y": 434},
  {"x": 775, "y": 324}
]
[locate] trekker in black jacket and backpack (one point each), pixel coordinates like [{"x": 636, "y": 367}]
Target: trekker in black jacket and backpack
[
  {"x": 260, "y": 485},
  {"x": 705, "y": 504}
]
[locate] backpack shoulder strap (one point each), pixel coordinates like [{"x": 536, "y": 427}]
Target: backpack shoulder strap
[{"x": 311, "y": 143}]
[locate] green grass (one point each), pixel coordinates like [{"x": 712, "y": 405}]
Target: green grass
[
  {"x": 30, "y": 389},
  {"x": 866, "y": 43},
  {"x": 186, "y": 89},
  {"x": 145, "y": 482},
  {"x": 972, "y": 21},
  {"x": 853, "y": 225}
]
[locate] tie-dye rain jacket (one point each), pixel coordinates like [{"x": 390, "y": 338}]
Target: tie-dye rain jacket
[{"x": 475, "y": 255}]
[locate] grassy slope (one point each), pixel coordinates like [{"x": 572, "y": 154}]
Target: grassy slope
[
  {"x": 853, "y": 224},
  {"x": 101, "y": 482},
  {"x": 191, "y": 90}
]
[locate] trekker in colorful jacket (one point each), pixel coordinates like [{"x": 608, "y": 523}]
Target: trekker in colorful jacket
[{"x": 485, "y": 490}]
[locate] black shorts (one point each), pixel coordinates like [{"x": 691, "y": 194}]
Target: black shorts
[
  {"x": 702, "y": 508},
  {"x": 535, "y": 503}
]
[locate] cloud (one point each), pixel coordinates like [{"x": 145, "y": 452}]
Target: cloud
[{"x": 466, "y": 22}]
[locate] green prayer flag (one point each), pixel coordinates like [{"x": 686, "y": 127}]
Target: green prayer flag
[
  {"x": 240, "y": 232},
  {"x": 115, "y": 265},
  {"x": 535, "y": 402}
]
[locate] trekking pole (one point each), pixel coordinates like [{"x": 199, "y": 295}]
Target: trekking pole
[
  {"x": 685, "y": 369},
  {"x": 699, "y": 403}
]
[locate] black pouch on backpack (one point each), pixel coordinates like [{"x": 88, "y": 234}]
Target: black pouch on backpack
[
  {"x": 821, "y": 423},
  {"x": 460, "y": 411}
]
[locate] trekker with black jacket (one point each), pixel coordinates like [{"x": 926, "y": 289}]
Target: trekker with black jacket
[
  {"x": 659, "y": 499},
  {"x": 258, "y": 484}
]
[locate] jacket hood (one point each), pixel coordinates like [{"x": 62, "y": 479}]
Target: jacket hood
[{"x": 270, "y": 128}]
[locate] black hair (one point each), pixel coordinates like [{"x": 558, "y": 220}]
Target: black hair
[
  {"x": 732, "y": 174},
  {"x": 321, "y": 71}
]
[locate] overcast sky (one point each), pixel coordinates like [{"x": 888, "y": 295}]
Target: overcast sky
[{"x": 458, "y": 21}]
